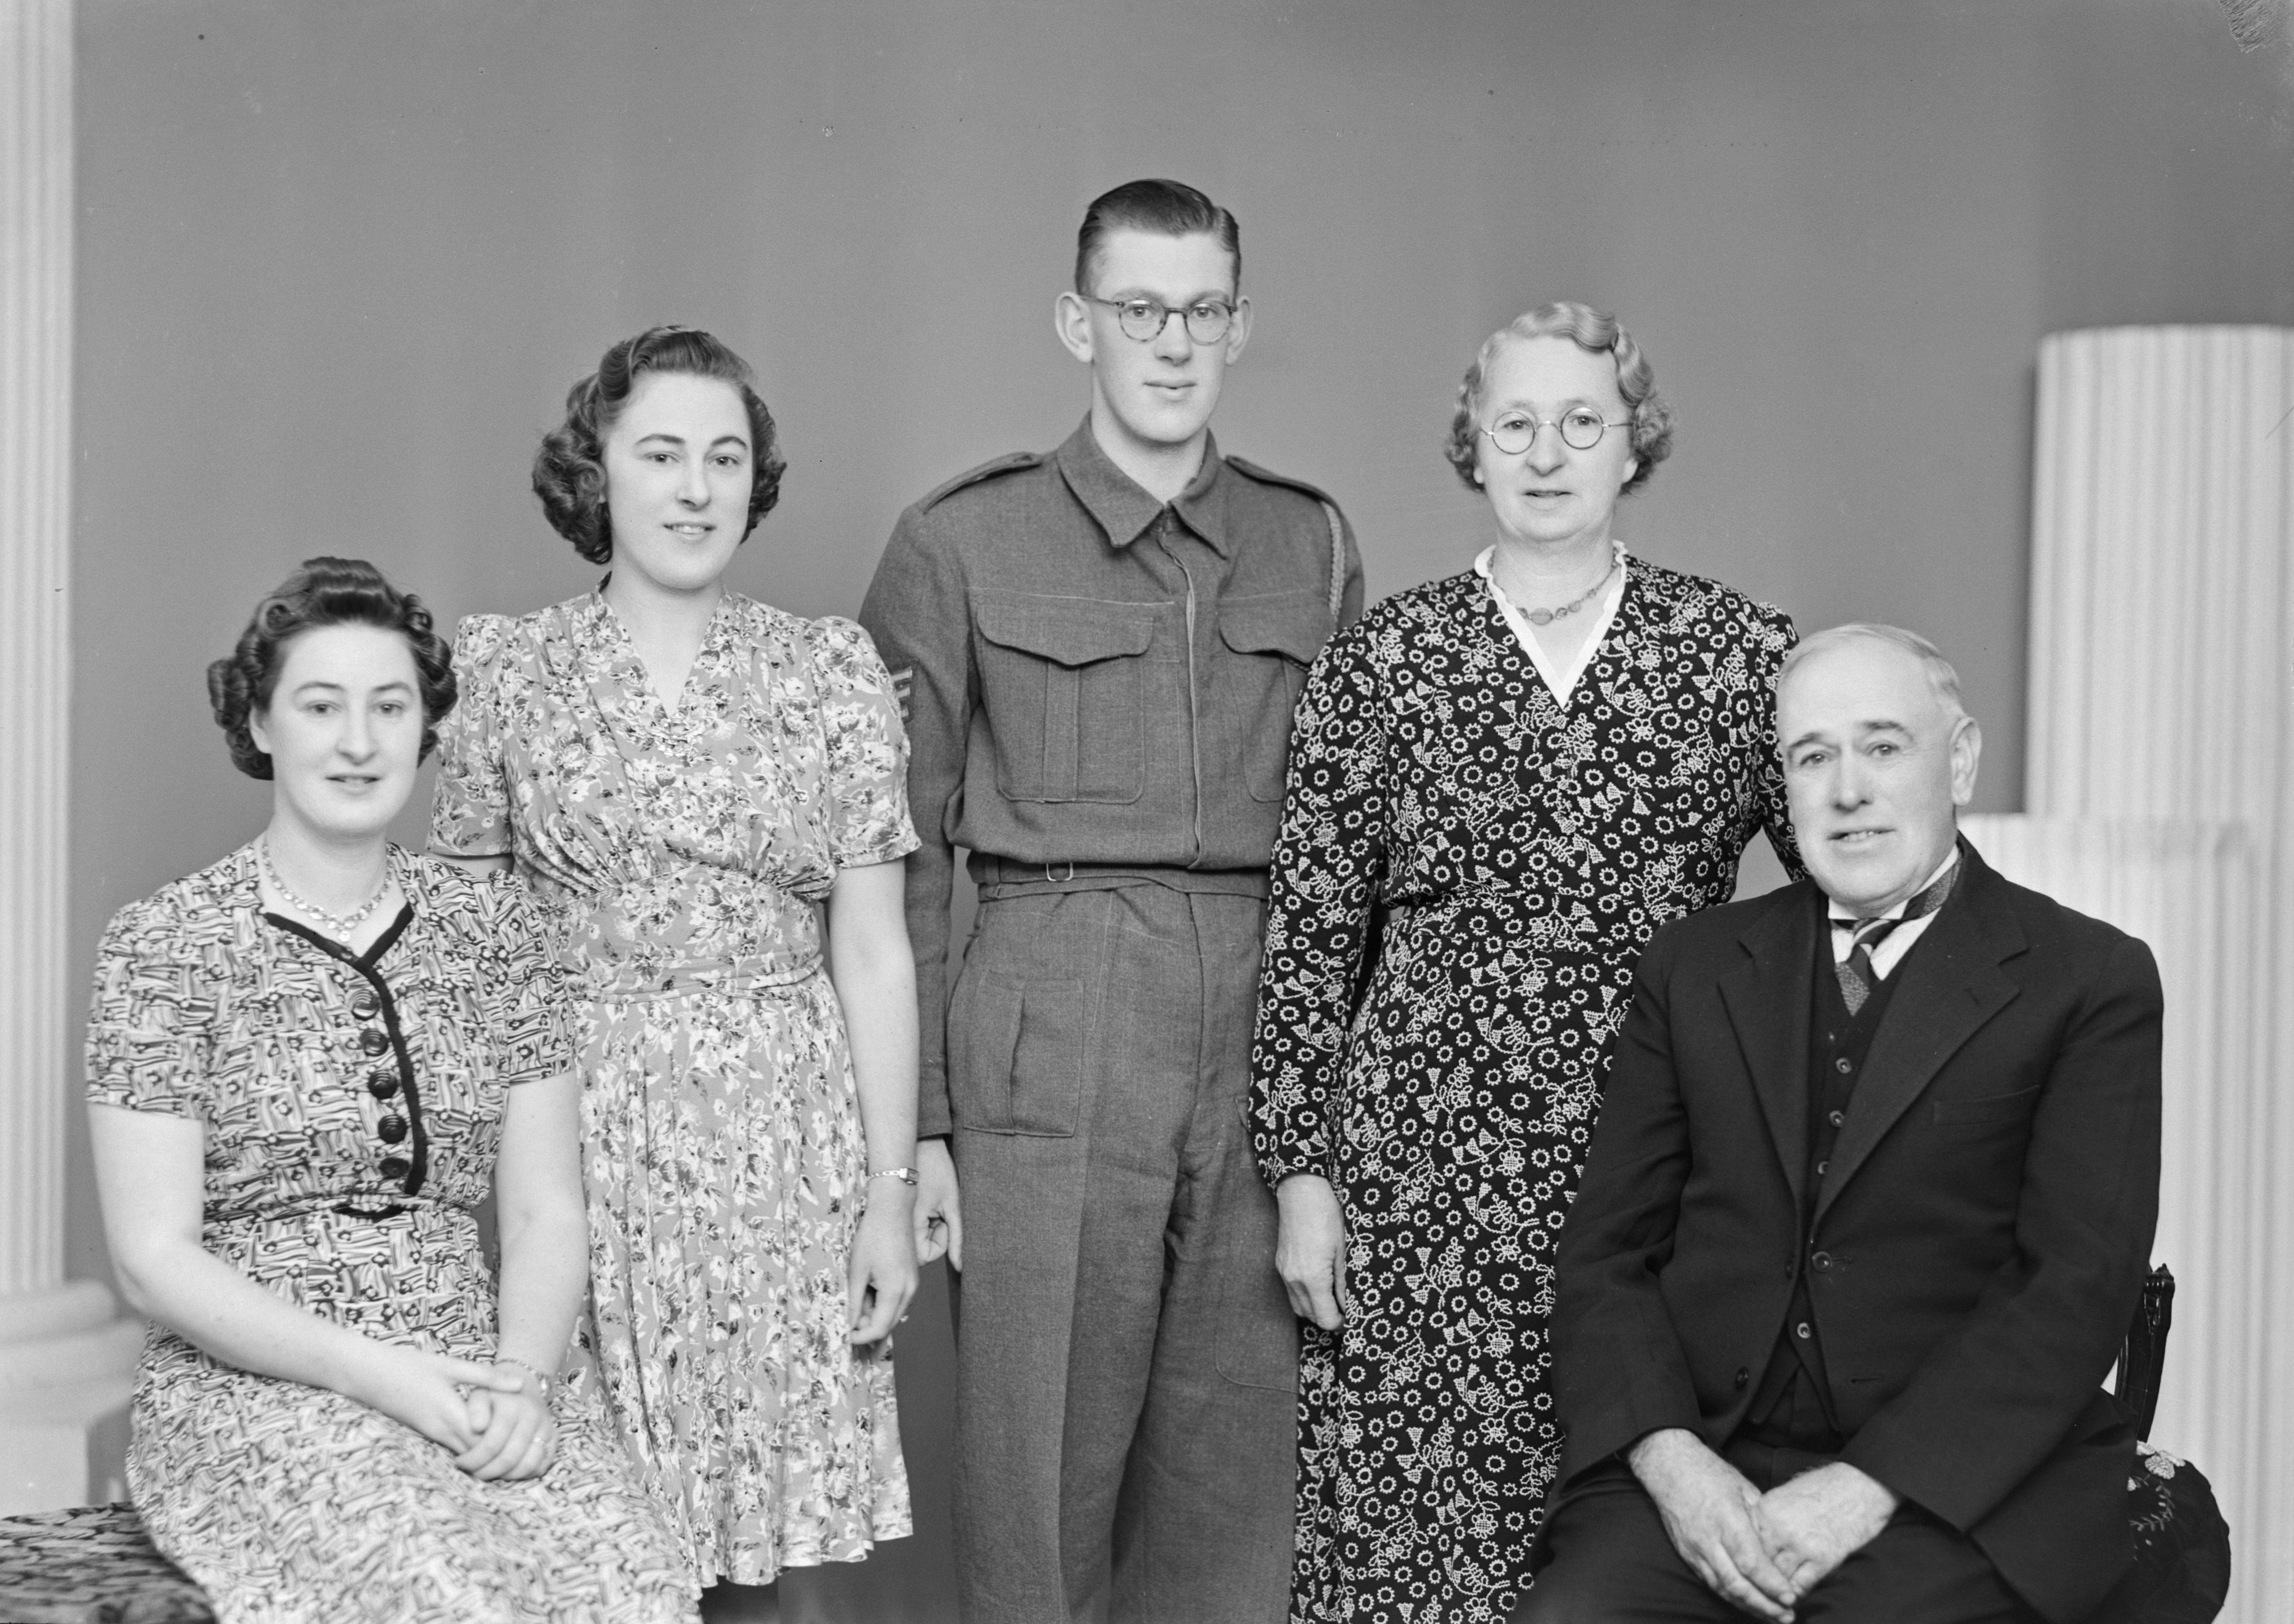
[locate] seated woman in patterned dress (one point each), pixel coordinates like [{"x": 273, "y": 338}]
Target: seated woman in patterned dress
[
  {"x": 307, "y": 1065},
  {"x": 705, "y": 800},
  {"x": 1522, "y": 771}
]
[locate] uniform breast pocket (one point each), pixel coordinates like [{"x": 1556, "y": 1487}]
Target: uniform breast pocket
[
  {"x": 1275, "y": 638},
  {"x": 1059, "y": 679}
]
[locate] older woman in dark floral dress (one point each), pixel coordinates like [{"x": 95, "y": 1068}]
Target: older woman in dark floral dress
[{"x": 1502, "y": 785}]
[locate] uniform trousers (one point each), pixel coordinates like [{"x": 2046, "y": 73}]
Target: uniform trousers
[
  {"x": 1126, "y": 1361},
  {"x": 1610, "y": 1561}
]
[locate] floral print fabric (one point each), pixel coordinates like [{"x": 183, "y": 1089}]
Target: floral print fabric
[
  {"x": 1467, "y": 873},
  {"x": 679, "y": 858},
  {"x": 289, "y": 1502}
]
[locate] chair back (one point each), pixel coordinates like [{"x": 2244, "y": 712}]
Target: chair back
[{"x": 2144, "y": 1358}]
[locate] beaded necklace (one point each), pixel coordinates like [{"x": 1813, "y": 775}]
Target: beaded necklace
[
  {"x": 342, "y": 925},
  {"x": 1546, "y": 617}
]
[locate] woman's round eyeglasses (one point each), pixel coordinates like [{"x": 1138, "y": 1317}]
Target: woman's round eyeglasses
[
  {"x": 1515, "y": 432},
  {"x": 1143, "y": 319}
]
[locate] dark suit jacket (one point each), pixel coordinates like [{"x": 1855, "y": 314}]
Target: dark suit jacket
[{"x": 1979, "y": 1241}]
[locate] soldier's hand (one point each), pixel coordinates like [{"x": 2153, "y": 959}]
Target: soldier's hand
[{"x": 939, "y": 1212}]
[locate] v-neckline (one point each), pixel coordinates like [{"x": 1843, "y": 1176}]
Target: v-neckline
[
  {"x": 1496, "y": 621},
  {"x": 365, "y": 958},
  {"x": 672, "y": 712}
]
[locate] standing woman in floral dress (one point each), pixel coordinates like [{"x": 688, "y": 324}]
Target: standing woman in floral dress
[
  {"x": 1521, "y": 772},
  {"x": 692, "y": 785}
]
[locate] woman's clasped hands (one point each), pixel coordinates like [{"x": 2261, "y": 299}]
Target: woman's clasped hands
[{"x": 494, "y": 1418}]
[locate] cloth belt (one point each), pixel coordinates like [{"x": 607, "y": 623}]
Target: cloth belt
[
  {"x": 734, "y": 978},
  {"x": 1000, "y": 877}
]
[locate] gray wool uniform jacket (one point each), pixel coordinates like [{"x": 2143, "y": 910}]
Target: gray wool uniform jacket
[{"x": 1092, "y": 677}]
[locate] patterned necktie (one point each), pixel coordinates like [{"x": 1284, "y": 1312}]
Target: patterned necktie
[{"x": 1857, "y": 975}]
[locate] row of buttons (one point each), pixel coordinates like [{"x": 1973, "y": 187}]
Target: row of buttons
[
  {"x": 1820, "y": 1261},
  {"x": 383, "y": 1082}
]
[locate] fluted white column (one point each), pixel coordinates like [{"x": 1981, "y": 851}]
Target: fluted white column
[
  {"x": 2189, "y": 890},
  {"x": 35, "y": 189},
  {"x": 2163, "y": 510},
  {"x": 64, "y": 1354},
  {"x": 2162, "y": 687}
]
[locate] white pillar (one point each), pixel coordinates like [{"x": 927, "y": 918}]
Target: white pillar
[
  {"x": 2163, "y": 511},
  {"x": 64, "y": 1355},
  {"x": 2189, "y": 890},
  {"x": 2162, "y": 687}
]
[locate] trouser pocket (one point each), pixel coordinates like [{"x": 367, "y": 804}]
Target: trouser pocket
[{"x": 1016, "y": 1053}]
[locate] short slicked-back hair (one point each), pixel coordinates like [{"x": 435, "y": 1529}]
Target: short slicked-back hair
[
  {"x": 1942, "y": 677},
  {"x": 1169, "y": 209},
  {"x": 1598, "y": 333}
]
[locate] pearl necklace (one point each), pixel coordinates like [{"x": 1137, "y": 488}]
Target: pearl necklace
[
  {"x": 1546, "y": 617},
  {"x": 342, "y": 925}
]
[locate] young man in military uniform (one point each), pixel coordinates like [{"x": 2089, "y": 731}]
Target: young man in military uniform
[{"x": 1100, "y": 648}]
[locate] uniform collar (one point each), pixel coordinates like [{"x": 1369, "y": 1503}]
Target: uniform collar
[{"x": 1122, "y": 506}]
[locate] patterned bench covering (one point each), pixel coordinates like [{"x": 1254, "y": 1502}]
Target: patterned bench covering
[{"x": 94, "y": 1566}]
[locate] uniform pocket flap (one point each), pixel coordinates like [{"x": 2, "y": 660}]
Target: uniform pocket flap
[
  {"x": 1065, "y": 631},
  {"x": 1293, "y": 624},
  {"x": 1991, "y": 1107}
]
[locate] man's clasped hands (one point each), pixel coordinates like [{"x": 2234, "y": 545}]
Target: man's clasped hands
[{"x": 1763, "y": 1552}]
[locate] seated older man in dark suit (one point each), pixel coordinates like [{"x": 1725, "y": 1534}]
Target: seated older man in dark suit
[{"x": 1866, "y": 1216}]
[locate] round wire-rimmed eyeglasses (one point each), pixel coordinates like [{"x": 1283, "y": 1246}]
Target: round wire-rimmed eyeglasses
[
  {"x": 1143, "y": 319},
  {"x": 1582, "y": 428}
]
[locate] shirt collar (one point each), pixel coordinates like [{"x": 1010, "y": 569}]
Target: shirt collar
[
  {"x": 1561, "y": 681},
  {"x": 1122, "y": 506},
  {"x": 1485, "y": 564},
  {"x": 1838, "y": 910}
]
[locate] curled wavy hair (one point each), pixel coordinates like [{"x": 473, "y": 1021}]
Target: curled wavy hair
[
  {"x": 324, "y": 592},
  {"x": 569, "y": 470},
  {"x": 1596, "y": 332}
]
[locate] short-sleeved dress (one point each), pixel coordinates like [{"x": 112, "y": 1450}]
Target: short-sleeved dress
[
  {"x": 680, "y": 860},
  {"x": 352, "y": 1108},
  {"x": 1444, "y": 1067}
]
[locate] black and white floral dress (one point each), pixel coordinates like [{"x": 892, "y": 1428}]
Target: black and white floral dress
[
  {"x": 352, "y": 1108},
  {"x": 679, "y": 860},
  {"x": 1468, "y": 868}
]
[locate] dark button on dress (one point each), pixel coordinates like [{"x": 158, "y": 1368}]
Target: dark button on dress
[{"x": 286, "y": 1501}]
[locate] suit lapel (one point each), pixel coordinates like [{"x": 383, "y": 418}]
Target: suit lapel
[
  {"x": 1767, "y": 998},
  {"x": 1952, "y": 985}
]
